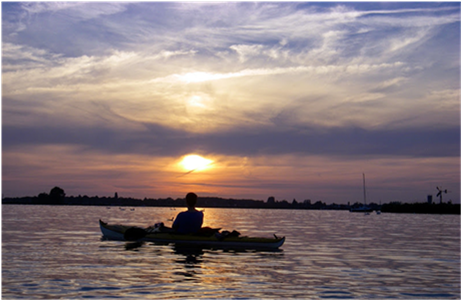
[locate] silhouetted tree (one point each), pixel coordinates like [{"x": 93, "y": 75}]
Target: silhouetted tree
[
  {"x": 43, "y": 198},
  {"x": 284, "y": 203},
  {"x": 319, "y": 204},
  {"x": 57, "y": 195}
]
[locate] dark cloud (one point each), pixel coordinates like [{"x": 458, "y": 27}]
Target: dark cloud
[{"x": 159, "y": 141}]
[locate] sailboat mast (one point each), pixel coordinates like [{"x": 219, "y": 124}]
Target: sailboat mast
[{"x": 364, "y": 191}]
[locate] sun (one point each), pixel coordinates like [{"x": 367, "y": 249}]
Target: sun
[{"x": 195, "y": 162}]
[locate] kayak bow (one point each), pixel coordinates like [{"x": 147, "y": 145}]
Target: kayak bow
[{"x": 118, "y": 232}]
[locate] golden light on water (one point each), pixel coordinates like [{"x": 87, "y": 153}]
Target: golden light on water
[{"x": 193, "y": 162}]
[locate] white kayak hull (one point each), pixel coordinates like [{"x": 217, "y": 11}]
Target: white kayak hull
[{"x": 116, "y": 232}]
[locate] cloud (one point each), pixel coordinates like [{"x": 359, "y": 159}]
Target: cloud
[
  {"x": 121, "y": 82},
  {"x": 17, "y": 58},
  {"x": 118, "y": 136},
  {"x": 80, "y": 10}
]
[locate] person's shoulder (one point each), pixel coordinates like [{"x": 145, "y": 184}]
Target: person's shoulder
[{"x": 195, "y": 213}]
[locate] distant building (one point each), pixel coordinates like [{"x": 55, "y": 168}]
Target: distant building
[{"x": 429, "y": 199}]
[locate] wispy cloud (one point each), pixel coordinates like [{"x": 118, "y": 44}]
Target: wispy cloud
[{"x": 79, "y": 10}]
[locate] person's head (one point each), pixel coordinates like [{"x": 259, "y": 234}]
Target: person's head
[{"x": 191, "y": 199}]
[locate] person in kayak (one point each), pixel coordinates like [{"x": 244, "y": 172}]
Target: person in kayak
[{"x": 191, "y": 220}]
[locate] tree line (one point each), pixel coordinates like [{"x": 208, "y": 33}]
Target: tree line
[{"x": 57, "y": 196}]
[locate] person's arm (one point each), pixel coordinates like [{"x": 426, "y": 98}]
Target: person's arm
[
  {"x": 202, "y": 218},
  {"x": 175, "y": 225}
]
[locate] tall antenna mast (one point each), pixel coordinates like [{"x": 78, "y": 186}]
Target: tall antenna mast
[{"x": 364, "y": 191}]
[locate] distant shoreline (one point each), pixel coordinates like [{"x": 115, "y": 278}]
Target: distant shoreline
[{"x": 216, "y": 202}]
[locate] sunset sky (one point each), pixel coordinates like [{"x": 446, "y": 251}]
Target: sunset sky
[{"x": 293, "y": 100}]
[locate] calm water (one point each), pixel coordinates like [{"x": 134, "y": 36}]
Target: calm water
[{"x": 54, "y": 252}]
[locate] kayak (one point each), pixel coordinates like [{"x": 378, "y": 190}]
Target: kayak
[{"x": 215, "y": 239}]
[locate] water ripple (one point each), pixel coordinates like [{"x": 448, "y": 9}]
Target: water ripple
[{"x": 58, "y": 254}]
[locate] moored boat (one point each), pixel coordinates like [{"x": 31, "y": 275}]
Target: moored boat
[
  {"x": 121, "y": 232},
  {"x": 364, "y": 208}
]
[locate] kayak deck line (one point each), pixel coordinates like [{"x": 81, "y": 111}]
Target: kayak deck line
[{"x": 118, "y": 232}]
